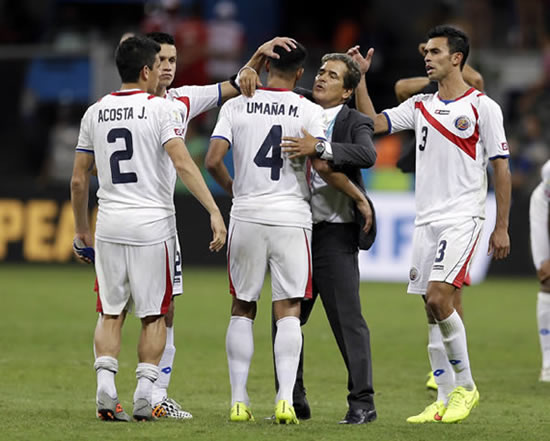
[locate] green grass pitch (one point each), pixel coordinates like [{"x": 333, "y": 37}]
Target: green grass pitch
[{"x": 47, "y": 382}]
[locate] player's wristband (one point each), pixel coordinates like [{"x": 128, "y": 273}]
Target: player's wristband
[
  {"x": 233, "y": 82},
  {"x": 82, "y": 250}
]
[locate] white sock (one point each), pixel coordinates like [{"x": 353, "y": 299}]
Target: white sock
[
  {"x": 454, "y": 339},
  {"x": 443, "y": 372},
  {"x": 239, "y": 345},
  {"x": 160, "y": 388},
  {"x": 543, "y": 322},
  {"x": 287, "y": 347},
  {"x": 146, "y": 374},
  {"x": 106, "y": 367}
]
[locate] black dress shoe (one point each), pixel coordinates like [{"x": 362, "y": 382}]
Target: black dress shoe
[
  {"x": 301, "y": 406},
  {"x": 359, "y": 416}
]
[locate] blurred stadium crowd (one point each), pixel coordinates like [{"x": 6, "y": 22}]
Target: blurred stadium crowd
[{"x": 56, "y": 56}]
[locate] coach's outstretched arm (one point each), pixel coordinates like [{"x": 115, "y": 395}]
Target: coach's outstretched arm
[
  {"x": 191, "y": 176},
  {"x": 362, "y": 98}
]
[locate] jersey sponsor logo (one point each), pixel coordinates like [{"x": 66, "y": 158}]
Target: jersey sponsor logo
[
  {"x": 413, "y": 274},
  {"x": 462, "y": 123},
  {"x": 442, "y": 112}
]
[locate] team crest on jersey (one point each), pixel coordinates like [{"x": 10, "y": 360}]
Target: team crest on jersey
[
  {"x": 413, "y": 274},
  {"x": 462, "y": 123}
]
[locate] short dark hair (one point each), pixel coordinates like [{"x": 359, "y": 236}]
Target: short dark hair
[
  {"x": 353, "y": 72},
  {"x": 289, "y": 61},
  {"x": 457, "y": 40},
  {"x": 134, "y": 53},
  {"x": 161, "y": 38}
]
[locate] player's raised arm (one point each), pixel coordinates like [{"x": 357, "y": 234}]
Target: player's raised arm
[
  {"x": 362, "y": 98},
  {"x": 191, "y": 176}
]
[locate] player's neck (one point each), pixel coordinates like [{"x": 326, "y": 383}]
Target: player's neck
[
  {"x": 452, "y": 86},
  {"x": 128, "y": 86},
  {"x": 161, "y": 91},
  {"x": 275, "y": 82}
]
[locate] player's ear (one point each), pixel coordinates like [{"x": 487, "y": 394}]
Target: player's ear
[
  {"x": 457, "y": 58},
  {"x": 145, "y": 71},
  {"x": 299, "y": 74}
]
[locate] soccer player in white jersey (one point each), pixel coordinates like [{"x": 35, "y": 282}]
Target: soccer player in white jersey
[
  {"x": 539, "y": 222},
  {"x": 136, "y": 141},
  {"x": 192, "y": 101},
  {"x": 270, "y": 222},
  {"x": 458, "y": 130}
]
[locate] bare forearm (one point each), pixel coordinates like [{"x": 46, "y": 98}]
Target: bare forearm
[
  {"x": 79, "y": 202},
  {"x": 191, "y": 176},
  {"x": 222, "y": 177},
  {"x": 503, "y": 191},
  {"x": 362, "y": 99}
]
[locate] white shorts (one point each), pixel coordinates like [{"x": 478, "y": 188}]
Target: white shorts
[
  {"x": 253, "y": 248},
  {"x": 538, "y": 222},
  {"x": 442, "y": 252},
  {"x": 141, "y": 275}
]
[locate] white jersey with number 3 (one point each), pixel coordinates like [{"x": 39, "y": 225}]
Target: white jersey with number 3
[
  {"x": 126, "y": 132},
  {"x": 268, "y": 187},
  {"x": 454, "y": 141}
]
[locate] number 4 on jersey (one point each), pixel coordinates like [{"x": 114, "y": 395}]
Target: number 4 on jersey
[{"x": 274, "y": 162}]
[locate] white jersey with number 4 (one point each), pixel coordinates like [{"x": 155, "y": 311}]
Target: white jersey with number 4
[
  {"x": 454, "y": 141},
  {"x": 269, "y": 188},
  {"x": 126, "y": 132}
]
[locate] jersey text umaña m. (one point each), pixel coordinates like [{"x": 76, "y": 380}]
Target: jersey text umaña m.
[
  {"x": 269, "y": 188},
  {"x": 454, "y": 141},
  {"x": 126, "y": 132}
]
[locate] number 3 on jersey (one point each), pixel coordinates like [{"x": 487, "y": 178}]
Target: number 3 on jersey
[
  {"x": 274, "y": 162},
  {"x": 121, "y": 155}
]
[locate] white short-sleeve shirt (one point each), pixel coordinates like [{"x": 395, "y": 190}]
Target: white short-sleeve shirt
[
  {"x": 454, "y": 141},
  {"x": 126, "y": 132},
  {"x": 268, "y": 187}
]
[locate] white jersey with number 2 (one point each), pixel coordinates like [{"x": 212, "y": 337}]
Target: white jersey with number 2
[
  {"x": 269, "y": 188},
  {"x": 454, "y": 141},
  {"x": 126, "y": 132}
]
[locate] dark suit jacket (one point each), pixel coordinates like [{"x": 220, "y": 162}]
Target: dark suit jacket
[{"x": 352, "y": 150}]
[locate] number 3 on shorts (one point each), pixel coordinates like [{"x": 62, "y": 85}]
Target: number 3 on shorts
[{"x": 441, "y": 251}]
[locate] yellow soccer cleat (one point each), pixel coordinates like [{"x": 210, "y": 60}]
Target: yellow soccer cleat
[
  {"x": 431, "y": 414},
  {"x": 461, "y": 403},
  {"x": 240, "y": 412},
  {"x": 284, "y": 413},
  {"x": 430, "y": 382}
]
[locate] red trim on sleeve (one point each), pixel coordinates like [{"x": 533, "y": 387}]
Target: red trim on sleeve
[
  {"x": 185, "y": 100},
  {"x": 467, "y": 145},
  {"x": 168, "y": 291}
]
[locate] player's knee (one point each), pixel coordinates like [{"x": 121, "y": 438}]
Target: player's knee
[
  {"x": 545, "y": 285},
  {"x": 169, "y": 316},
  {"x": 243, "y": 309}
]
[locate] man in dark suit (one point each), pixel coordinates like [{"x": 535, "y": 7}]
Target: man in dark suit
[{"x": 337, "y": 233}]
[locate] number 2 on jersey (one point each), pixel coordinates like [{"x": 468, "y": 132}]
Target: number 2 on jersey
[
  {"x": 121, "y": 155},
  {"x": 274, "y": 162}
]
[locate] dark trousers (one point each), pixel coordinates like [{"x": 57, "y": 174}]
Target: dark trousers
[{"x": 336, "y": 281}]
